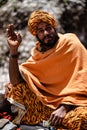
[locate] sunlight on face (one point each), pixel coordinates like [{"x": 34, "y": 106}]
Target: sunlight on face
[{"x": 46, "y": 34}]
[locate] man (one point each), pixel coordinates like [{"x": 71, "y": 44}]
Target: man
[{"x": 52, "y": 83}]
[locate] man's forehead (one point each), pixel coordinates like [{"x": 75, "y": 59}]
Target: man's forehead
[{"x": 42, "y": 25}]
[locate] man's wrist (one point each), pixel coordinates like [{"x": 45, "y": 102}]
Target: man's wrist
[
  {"x": 66, "y": 106},
  {"x": 13, "y": 55}
]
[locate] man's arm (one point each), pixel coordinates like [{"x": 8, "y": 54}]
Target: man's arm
[
  {"x": 14, "y": 39},
  {"x": 14, "y": 73}
]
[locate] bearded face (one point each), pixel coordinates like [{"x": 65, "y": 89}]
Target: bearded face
[{"x": 46, "y": 35}]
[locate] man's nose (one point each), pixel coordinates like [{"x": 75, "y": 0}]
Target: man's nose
[{"x": 45, "y": 32}]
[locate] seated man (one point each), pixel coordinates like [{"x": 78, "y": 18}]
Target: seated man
[{"x": 52, "y": 84}]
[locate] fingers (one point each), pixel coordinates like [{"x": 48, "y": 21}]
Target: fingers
[
  {"x": 13, "y": 38},
  {"x": 55, "y": 120},
  {"x": 11, "y": 34},
  {"x": 10, "y": 30},
  {"x": 19, "y": 37}
]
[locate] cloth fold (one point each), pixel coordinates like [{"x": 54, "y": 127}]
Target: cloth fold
[{"x": 58, "y": 75}]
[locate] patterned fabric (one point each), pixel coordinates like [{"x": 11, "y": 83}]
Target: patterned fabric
[
  {"x": 40, "y": 16},
  {"x": 76, "y": 119},
  {"x": 36, "y": 112},
  {"x": 40, "y": 71}
]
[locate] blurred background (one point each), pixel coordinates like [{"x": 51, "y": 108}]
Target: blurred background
[{"x": 71, "y": 16}]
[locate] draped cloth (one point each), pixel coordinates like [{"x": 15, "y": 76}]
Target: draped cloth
[{"x": 58, "y": 75}]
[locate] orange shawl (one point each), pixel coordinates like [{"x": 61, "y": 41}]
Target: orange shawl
[{"x": 58, "y": 75}]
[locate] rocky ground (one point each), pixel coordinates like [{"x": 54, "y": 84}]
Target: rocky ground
[{"x": 70, "y": 14}]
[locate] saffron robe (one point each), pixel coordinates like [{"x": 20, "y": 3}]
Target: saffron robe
[{"x": 58, "y": 75}]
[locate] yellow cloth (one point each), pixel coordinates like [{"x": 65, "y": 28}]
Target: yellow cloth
[
  {"x": 39, "y": 16},
  {"x": 58, "y": 75}
]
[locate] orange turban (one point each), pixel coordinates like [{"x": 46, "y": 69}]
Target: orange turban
[{"x": 40, "y": 16}]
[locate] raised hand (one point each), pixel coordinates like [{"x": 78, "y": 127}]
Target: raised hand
[{"x": 14, "y": 39}]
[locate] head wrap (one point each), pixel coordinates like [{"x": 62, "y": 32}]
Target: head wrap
[{"x": 37, "y": 17}]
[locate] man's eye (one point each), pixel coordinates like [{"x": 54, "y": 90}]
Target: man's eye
[
  {"x": 40, "y": 31},
  {"x": 48, "y": 28}
]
